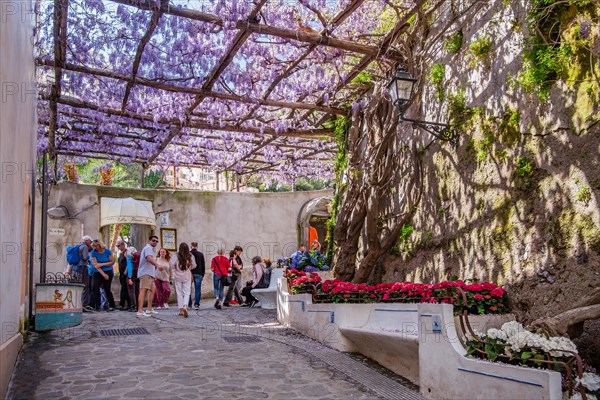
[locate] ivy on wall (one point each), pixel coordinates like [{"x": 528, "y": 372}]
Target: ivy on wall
[
  {"x": 562, "y": 35},
  {"x": 341, "y": 129}
]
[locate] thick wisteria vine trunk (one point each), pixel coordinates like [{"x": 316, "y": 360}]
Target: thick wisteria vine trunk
[{"x": 373, "y": 211}]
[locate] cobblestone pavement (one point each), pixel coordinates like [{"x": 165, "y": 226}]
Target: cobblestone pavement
[{"x": 214, "y": 354}]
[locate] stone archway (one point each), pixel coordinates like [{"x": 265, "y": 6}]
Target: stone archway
[{"x": 312, "y": 217}]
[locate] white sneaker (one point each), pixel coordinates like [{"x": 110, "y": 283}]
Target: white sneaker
[
  {"x": 158, "y": 308},
  {"x": 151, "y": 312},
  {"x": 142, "y": 314},
  {"x": 166, "y": 306}
]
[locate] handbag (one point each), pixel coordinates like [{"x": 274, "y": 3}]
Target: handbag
[{"x": 226, "y": 280}]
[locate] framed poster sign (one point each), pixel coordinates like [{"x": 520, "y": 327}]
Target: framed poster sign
[{"x": 168, "y": 238}]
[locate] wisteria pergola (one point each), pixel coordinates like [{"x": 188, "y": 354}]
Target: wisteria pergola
[{"x": 244, "y": 86}]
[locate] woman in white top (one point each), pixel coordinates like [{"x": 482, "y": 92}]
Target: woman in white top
[{"x": 182, "y": 277}]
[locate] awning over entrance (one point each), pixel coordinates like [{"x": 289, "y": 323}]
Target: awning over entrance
[{"x": 126, "y": 211}]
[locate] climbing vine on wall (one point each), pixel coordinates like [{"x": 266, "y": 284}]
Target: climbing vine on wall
[
  {"x": 341, "y": 127},
  {"x": 562, "y": 35}
]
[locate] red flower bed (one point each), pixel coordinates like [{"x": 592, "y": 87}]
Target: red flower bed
[
  {"x": 482, "y": 297},
  {"x": 302, "y": 282}
]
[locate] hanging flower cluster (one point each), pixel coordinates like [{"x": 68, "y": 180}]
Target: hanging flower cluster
[{"x": 182, "y": 52}]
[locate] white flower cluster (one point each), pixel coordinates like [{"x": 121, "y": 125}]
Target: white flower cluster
[
  {"x": 577, "y": 396},
  {"x": 515, "y": 335},
  {"x": 590, "y": 381}
]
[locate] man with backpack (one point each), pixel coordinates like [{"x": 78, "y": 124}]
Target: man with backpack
[{"x": 78, "y": 257}]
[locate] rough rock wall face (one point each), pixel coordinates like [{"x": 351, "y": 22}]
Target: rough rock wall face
[{"x": 517, "y": 202}]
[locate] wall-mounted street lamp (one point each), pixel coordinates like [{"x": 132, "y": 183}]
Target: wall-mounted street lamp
[{"x": 401, "y": 89}]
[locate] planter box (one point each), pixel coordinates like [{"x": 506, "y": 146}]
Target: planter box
[
  {"x": 57, "y": 305},
  {"x": 482, "y": 323}
]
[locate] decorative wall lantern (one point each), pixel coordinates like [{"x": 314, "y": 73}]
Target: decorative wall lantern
[{"x": 401, "y": 89}]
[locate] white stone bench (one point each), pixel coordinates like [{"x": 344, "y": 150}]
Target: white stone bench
[
  {"x": 268, "y": 296},
  {"x": 390, "y": 337},
  {"x": 417, "y": 341}
]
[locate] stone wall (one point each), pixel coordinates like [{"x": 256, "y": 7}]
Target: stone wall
[
  {"x": 517, "y": 201},
  {"x": 17, "y": 129},
  {"x": 262, "y": 223}
]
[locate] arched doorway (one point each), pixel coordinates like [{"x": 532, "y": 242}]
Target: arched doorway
[{"x": 312, "y": 218}]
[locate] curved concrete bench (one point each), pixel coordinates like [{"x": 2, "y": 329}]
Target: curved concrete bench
[
  {"x": 417, "y": 341},
  {"x": 268, "y": 296},
  {"x": 390, "y": 337}
]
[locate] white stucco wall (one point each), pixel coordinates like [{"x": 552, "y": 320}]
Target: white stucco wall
[
  {"x": 262, "y": 223},
  {"x": 17, "y": 146}
]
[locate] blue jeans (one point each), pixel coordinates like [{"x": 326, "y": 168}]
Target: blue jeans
[
  {"x": 197, "y": 290},
  {"x": 219, "y": 288}
]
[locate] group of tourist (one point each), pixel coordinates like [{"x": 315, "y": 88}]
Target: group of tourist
[{"x": 143, "y": 274}]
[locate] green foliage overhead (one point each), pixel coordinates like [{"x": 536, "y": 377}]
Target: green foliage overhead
[
  {"x": 363, "y": 78},
  {"x": 154, "y": 179},
  {"x": 302, "y": 184},
  {"x": 126, "y": 175}
]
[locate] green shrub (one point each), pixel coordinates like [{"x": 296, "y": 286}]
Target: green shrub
[
  {"x": 457, "y": 104},
  {"x": 543, "y": 64},
  {"x": 454, "y": 43},
  {"x": 501, "y": 154},
  {"x": 436, "y": 73},
  {"x": 524, "y": 167},
  {"x": 509, "y": 126},
  {"x": 481, "y": 47},
  {"x": 559, "y": 47},
  {"x": 436, "y": 77},
  {"x": 584, "y": 195},
  {"x": 407, "y": 230}
]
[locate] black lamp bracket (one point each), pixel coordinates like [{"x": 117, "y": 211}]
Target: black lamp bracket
[{"x": 440, "y": 131}]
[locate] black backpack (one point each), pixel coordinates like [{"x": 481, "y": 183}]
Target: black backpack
[{"x": 265, "y": 280}]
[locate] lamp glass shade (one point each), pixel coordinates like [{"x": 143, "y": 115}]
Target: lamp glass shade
[
  {"x": 403, "y": 85},
  {"x": 393, "y": 91}
]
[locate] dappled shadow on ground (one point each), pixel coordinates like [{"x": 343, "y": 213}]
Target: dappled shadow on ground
[{"x": 233, "y": 353}]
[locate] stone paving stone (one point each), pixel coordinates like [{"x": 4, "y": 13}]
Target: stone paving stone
[{"x": 190, "y": 358}]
